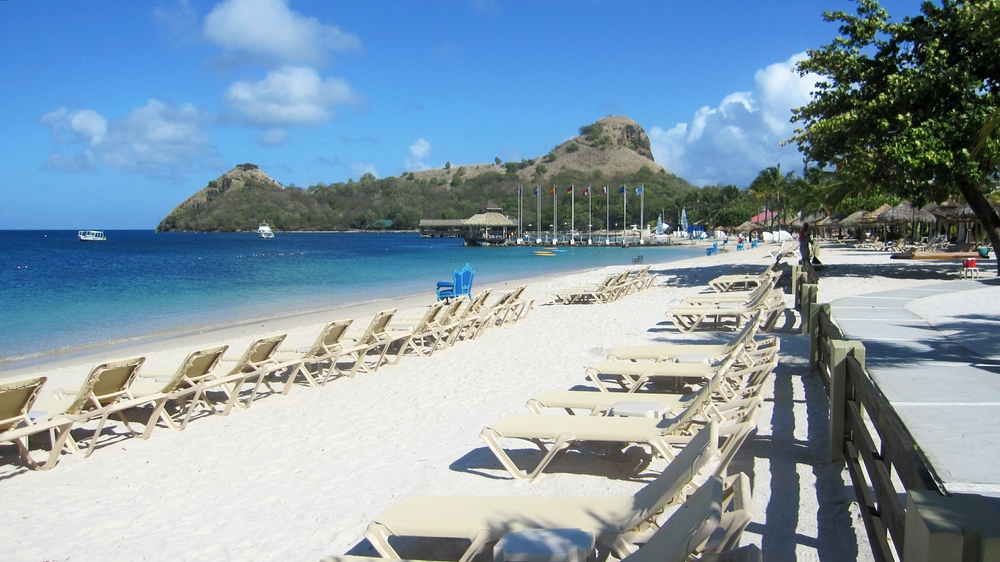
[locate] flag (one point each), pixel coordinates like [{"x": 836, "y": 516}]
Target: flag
[
  {"x": 520, "y": 190},
  {"x": 622, "y": 190},
  {"x": 586, "y": 191},
  {"x": 638, "y": 190},
  {"x": 536, "y": 190},
  {"x": 570, "y": 190},
  {"x": 552, "y": 190},
  {"x": 604, "y": 190}
]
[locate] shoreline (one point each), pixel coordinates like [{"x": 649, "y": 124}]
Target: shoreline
[
  {"x": 194, "y": 336},
  {"x": 154, "y": 346}
]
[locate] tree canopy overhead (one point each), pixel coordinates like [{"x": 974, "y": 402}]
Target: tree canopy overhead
[{"x": 898, "y": 105}]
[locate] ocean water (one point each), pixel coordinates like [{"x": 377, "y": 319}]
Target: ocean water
[{"x": 58, "y": 294}]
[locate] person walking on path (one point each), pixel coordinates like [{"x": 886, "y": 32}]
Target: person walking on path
[{"x": 804, "y": 243}]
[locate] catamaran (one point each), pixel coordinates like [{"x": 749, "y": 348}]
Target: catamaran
[{"x": 91, "y": 236}]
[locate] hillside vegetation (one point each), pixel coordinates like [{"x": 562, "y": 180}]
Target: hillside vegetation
[{"x": 614, "y": 152}]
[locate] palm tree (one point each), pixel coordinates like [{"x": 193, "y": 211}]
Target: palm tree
[{"x": 768, "y": 186}]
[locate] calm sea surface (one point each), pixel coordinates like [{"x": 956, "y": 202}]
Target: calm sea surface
[{"x": 58, "y": 293}]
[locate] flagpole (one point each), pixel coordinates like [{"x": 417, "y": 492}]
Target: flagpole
[
  {"x": 572, "y": 213},
  {"x": 642, "y": 210},
  {"x": 555, "y": 215},
  {"x": 624, "y": 213},
  {"x": 607, "y": 212},
  {"x": 538, "y": 201},
  {"x": 590, "y": 214},
  {"x": 520, "y": 205}
]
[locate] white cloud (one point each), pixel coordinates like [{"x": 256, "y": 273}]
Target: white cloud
[
  {"x": 271, "y": 29},
  {"x": 85, "y": 125},
  {"x": 159, "y": 139},
  {"x": 733, "y": 142},
  {"x": 419, "y": 150},
  {"x": 359, "y": 169},
  {"x": 290, "y": 96},
  {"x": 272, "y": 137}
]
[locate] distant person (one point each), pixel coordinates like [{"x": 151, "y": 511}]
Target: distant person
[{"x": 804, "y": 243}]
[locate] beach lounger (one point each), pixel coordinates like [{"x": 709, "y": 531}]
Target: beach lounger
[
  {"x": 16, "y": 426},
  {"x": 177, "y": 388},
  {"x": 462, "y": 325},
  {"x": 563, "y": 431},
  {"x": 727, "y": 283},
  {"x": 230, "y": 377},
  {"x": 105, "y": 386},
  {"x": 685, "y": 532},
  {"x": 671, "y": 351},
  {"x": 315, "y": 363},
  {"x": 690, "y": 317},
  {"x": 587, "y": 293},
  {"x": 421, "y": 337},
  {"x": 366, "y": 350},
  {"x": 483, "y": 520},
  {"x": 731, "y": 296}
]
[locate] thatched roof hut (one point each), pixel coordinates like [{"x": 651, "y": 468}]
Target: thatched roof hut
[
  {"x": 852, "y": 220},
  {"x": 905, "y": 213},
  {"x": 490, "y": 220},
  {"x": 872, "y": 217}
]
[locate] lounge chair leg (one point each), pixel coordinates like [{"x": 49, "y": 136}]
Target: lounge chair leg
[
  {"x": 479, "y": 541},
  {"x": 378, "y": 534},
  {"x": 562, "y": 442}
]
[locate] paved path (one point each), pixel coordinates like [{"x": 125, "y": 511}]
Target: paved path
[{"x": 941, "y": 374}]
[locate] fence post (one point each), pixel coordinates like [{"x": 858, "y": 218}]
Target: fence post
[
  {"x": 814, "y": 332},
  {"x": 810, "y": 292},
  {"x": 796, "y": 269},
  {"x": 840, "y": 350}
]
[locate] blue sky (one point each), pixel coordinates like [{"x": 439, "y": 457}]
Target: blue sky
[{"x": 113, "y": 112}]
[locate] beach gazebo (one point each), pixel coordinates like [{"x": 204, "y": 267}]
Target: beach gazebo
[
  {"x": 479, "y": 228},
  {"x": 906, "y": 214}
]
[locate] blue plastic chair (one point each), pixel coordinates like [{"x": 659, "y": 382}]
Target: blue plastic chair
[
  {"x": 713, "y": 250},
  {"x": 753, "y": 243},
  {"x": 739, "y": 246},
  {"x": 461, "y": 286}
]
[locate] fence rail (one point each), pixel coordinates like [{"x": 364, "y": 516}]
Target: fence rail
[{"x": 867, "y": 434}]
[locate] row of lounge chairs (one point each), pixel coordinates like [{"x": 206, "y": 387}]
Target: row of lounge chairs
[
  {"x": 612, "y": 288},
  {"x": 689, "y": 428},
  {"x": 729, "y": 307},
  {"x": 207, "y": 383}
]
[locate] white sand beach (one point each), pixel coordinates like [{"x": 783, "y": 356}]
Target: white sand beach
[{"x": 299, "y": 477}]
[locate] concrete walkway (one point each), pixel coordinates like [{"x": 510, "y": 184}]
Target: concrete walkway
[{"x": 940, "y": 370}]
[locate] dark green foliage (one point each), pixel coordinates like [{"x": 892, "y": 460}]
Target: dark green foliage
[
  {"x": 550, "y": 157},
  {"x": 497, "y": 161},
  {"x": 404, "y": 201},
  {"x": 573, "y": 147},
  {"x": 513, "y": 167},
  {"x": 541, "y": 170}
]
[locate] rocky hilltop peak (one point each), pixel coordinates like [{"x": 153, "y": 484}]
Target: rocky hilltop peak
[
  {"x": 234, "y": 180},
  {"x": 614, "y": 144}
]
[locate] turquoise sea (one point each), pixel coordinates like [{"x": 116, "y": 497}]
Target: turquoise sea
[{"x": 57, "y": 293}]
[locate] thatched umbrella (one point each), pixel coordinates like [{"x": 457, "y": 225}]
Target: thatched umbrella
[
  {"x": 872, "y": 217},
  {"x": 852, "y": 220},
  {"x": 904, "y": 213}
]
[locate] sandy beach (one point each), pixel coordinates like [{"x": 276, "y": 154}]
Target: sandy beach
[{"x": 299, "y": 477}]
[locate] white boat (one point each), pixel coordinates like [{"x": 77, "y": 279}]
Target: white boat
[
  {"x": 265, "y": 231},
  {"x": 91, "y": 236}
]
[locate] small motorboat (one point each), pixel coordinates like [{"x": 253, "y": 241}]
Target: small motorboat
[
  {"x": 91, "y": 236},
  {"x": 264, "y": 230}
]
